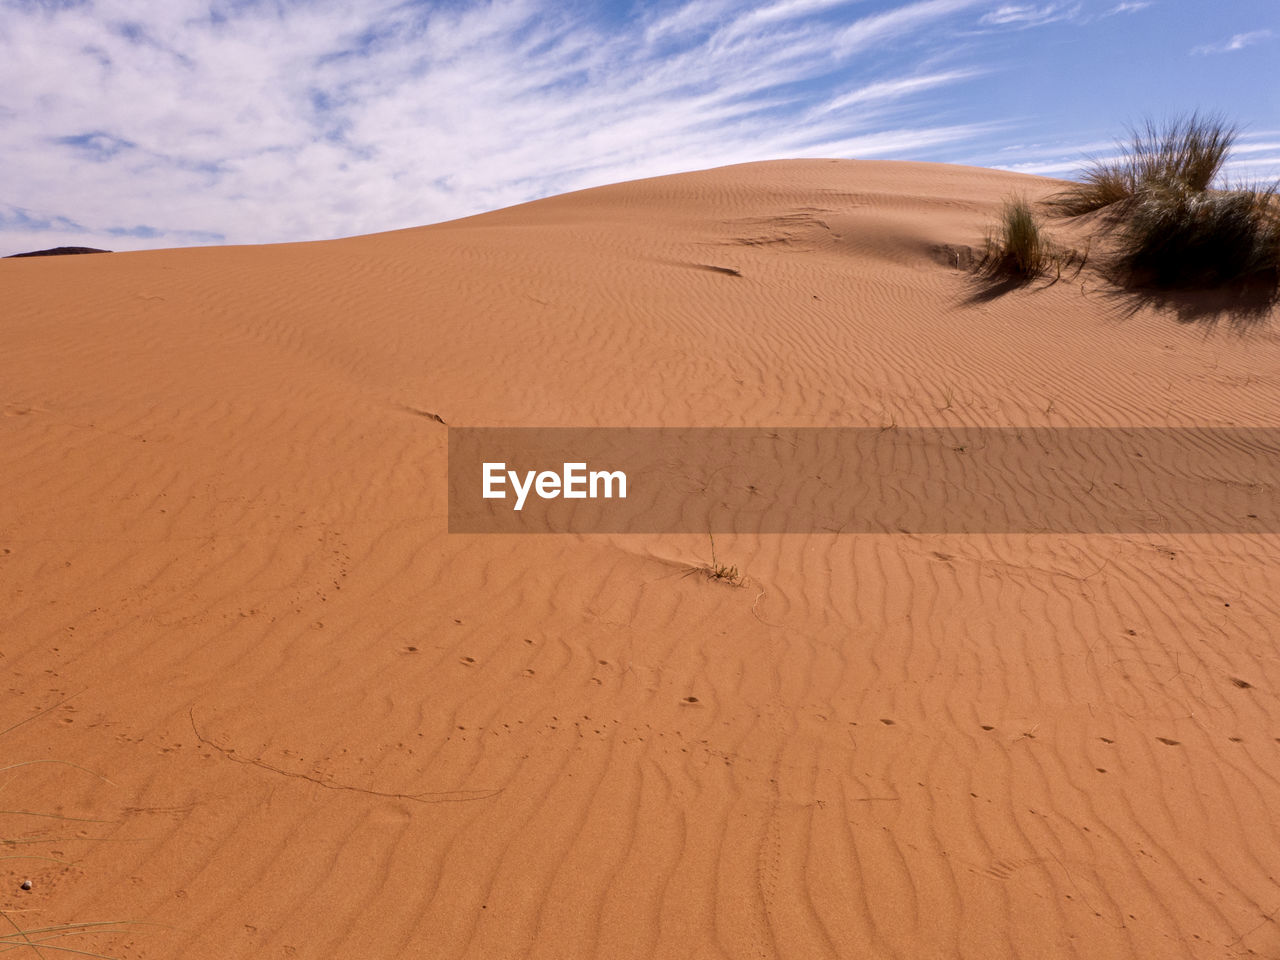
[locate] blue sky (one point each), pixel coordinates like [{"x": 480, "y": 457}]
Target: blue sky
[{"x": 131, "y": 124}]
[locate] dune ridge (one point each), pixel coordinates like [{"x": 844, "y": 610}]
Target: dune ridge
[{"x": 331, "y": 729}]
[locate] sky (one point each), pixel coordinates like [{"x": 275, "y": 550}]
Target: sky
[{"x": 134, "y": 124}]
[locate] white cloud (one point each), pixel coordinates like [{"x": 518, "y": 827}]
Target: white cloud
[
  {"x": 1129, "y": 6},
  {"x": 134, "y": 123},
  {"x": 1027, "y": 15},
  {"x": 1256, "y": 147},
  {"x": 884, "y": 90},
  {"x": 1237, "y": 42},
  {"x": 882, "y": 27},
  {"x": 1254, "y": 158},
  {"x": 789, "y": 9}
]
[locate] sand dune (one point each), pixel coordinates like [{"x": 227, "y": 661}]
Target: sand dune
[{"x": 307, "y": 722}]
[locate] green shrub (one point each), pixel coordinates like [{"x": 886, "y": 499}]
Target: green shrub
[
  {"x": 1172, "y": 227},
  {"x": 1188, "y": 238},
  {"x": 1181, "y": 154},
  {"x": 1018, "y": 248},
  {"x": 1102, "y": 186}
]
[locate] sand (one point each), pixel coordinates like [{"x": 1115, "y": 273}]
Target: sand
[{"x": 307, "y": 722}]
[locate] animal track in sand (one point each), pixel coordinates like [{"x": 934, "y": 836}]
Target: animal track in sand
[{"x": 430, "y": 796}]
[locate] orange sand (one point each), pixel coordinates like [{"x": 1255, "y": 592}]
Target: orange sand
[{"x": 324, "y": 728}]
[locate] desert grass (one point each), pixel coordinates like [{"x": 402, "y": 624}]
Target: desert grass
[
  {"x": 1182, "y": 154},
  {"x": 1173, "y": 222},
  {"x": 38, "y": 939},
  {"x": 722, "y": 572},
  {"x": 1018, "y": 249},
  {"x": 1185, "y": 238}
]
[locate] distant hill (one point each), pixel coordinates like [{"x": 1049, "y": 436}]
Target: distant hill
[{"x": 56, "y": 252}]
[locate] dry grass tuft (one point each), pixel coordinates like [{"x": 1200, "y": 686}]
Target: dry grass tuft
[
  {"x": 40, "y": 938},
  {"x": 723, "y": 572},
  {"x": 1184, "y": 154},
  {"x": 1018, "y": 249},
  {"x": 1185, "y": 238},
  {"x": 1172, "y": 227}
]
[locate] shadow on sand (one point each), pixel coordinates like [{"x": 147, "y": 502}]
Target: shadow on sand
[
  {"x": 1241, "y": 308},
  {"x": 986, "y": 289}
]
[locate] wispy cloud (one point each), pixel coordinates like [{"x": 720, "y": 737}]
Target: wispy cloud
[
  {"x": 1029, "y": 15},
  {"x": 886, "y": 90},
  {"x": 1255, "y": 157},
  {"x": 163, "y": 122},
  {"x": 262, "y": 120},
  {"x": 883, "y": 27},
  {"x": 1238, "y": 42},
  {"x": 1129, "y": 6}
]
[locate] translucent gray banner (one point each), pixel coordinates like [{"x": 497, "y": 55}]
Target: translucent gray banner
[{"x": 864, "y": 480}]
